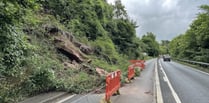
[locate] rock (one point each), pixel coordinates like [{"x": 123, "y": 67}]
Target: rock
[
  {"x": 66, "y": 44},
  {"x": 101, "y": 72},
  {"x": 88, "y": 69},
  {"x": 72, "y": 65},
  {"x": 51, "y": 29},
  {"x": 67, "y": 48},
  {"x": 69, "y": 36},
  {"x": 86, "y": 49},
  {"x": 77, "y": 44},
  {"x": 89, "y": 61}
]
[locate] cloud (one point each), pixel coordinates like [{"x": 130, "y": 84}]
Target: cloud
[
  {"x": 111, "y": 1},
  {"x": 165, "y": 18}
]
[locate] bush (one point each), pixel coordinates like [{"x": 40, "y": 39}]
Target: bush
[
  {"x": 78, "y": 82},
  {"x": 137, "y": 71}
]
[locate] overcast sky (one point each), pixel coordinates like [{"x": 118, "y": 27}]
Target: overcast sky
[{"x": 165, "y": 18}]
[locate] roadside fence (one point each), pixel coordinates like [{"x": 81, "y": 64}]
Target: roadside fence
[
  {"x": 131, "y": 72},
  {"x": 139, "y": 63},
  {"x": 112, "y": 86},
  {"x": 203, "y": 64}
]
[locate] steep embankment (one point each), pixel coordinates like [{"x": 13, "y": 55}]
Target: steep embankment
[{"x": 51, "y": 45}]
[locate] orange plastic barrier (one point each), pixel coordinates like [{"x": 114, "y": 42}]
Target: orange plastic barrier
[
  {"x": 112, "y": 84},
  {"x": 139, "y": 63},
  {"x": 131, "y": 72}
]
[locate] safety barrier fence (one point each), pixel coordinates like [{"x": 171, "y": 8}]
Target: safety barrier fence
[
  {"x": 112, "y": 84},
  {"x": 113, "y": 79},
  {"x": 131, "y": 72},
  {"x": 138, "y": 63}
]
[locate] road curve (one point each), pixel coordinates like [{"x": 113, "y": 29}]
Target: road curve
[{"x": 191, "y": 85}]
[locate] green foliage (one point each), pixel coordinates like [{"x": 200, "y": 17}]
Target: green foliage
[
  {"x": 194, "y": 45},
  {"x": 78, "y": 81},
  {"x": 137, "y": 71},
  {"x": 87, "y": 19},
  {"x": 152, "y": 46},
  {"x": 122, "y": 33},
  {"x": 13, "y": 47},
  {"x": 29, "y": 63},
  {"x": 107, "y": 56},
  {"x": 119, "y": 10},
  {"x": 93, "y": 19},
  {"x": 164, "y": 47}
]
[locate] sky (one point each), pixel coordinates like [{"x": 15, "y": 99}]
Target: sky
[{"x": 165, "y": 18}]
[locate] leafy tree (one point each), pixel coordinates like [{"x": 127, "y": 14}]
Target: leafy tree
[
  {"x": 119, "y": 10},
  {"x": 194, "y": 44},
  {"x": 164, "y": 49},
  {"x": 13, "y": 47},
  {"x": 152, "y": 45},
  {"x": 28, "y": 57}
]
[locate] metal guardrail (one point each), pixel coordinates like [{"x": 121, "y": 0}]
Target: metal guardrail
[{"x": 195, "y": 62}]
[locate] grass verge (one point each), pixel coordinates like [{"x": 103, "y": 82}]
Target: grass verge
[{"x": 204, "y": 69}]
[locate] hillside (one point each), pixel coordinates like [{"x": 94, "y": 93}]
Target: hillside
[{"x": 55, "y": 45}]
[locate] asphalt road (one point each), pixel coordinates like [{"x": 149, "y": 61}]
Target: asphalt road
[
  {"x": 178, "y": 84},
  {"x": 141, "y": 89},
  {"x": 189, "y": 84}
]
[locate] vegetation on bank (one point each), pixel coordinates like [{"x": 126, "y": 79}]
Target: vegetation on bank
[
  {"x": 194, "y": 43},
  {"x": 32, "y": 63}
]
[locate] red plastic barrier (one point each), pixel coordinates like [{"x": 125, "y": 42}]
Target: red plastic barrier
[
  {"x": 131, "y": 72},
  {"x": 112, "y": 84},
  {"x": 139, "y": 63},
  {"x": 134, "y": 61}
]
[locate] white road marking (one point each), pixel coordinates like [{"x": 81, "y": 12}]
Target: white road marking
[
  {"x": 157, "y": 83},
  {"x": 65, "y": 99},
  {"x": 176, "y": 97},
  {"x": 165, "y": 79},
  {"x": 52, "y": 97}
]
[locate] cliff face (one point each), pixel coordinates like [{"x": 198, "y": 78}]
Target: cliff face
[{"x": 70, "y": 47}]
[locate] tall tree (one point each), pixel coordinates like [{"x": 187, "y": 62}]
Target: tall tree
[
  {"x": 194, "y": 44},
  {"x": 152, "y": 45},
  {"x": 119, "y": 10}
]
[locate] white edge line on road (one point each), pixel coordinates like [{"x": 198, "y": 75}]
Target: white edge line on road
[
  {"x": 176, "y": 97},
  {"x": 165, "y": 79},
  {"x": 157, "y": 84},
  {"x": 52, "y": 97},
  {"x": 65, "y": 99}
]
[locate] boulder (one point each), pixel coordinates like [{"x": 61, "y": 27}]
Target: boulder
[
  {"x": 72, "y": 65},
  {"x": 66, "y": 44},
  {"x": 67, "y": 48},
  {"x": 101, "y": 72}
]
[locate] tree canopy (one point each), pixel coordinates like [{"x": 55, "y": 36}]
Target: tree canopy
[
  {"x": 31, "y": 64},
  {"x": 194, "y": 44},
  {"x": 152, "y": 46}
]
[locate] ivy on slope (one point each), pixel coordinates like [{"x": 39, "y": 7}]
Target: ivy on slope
[{"x": 29, "y": 63}]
